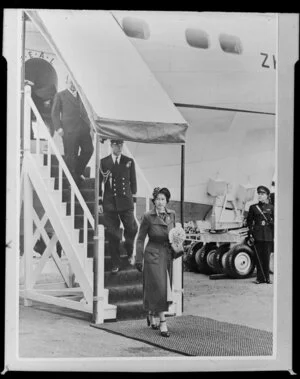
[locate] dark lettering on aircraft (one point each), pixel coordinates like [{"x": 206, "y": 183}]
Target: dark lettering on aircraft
[
  {"x": 266, "y": 60},
  {"x": 274, "y": 61},
  {"x": 40, "y": 54}
]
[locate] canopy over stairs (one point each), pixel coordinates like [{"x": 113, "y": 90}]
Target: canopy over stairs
[{"x": 121, "y": 95}]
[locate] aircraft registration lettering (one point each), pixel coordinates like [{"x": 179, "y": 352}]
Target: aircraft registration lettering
[{"x": 269, "y": 60}]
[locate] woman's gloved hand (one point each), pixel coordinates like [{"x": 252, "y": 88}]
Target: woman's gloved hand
[{"x": 139, "y": 266}]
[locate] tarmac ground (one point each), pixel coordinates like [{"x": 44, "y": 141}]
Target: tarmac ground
[{"x": 47, "y": 331}]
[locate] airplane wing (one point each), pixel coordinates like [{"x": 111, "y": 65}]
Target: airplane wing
[{"x": 122, "y": 97}]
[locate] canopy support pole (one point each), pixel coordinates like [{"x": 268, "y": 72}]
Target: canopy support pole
[
  {"x": 182, "y": 207},
  {"x": 182, "y": 185},
  {"x": 22, "y": 82},
  {"x": 95, "y": 319}
]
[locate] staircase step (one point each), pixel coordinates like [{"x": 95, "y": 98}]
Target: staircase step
[
  {"x": 90, "y": 252},
  {"x": 125, "y": 293},
  {"x": 126, "y": 276},
  {"x": 131, "y": 310},
  {"x": 87, "y": 193},
  {"x": 108, "y": 262},
  {"x": 90, "y": 234},
  {"x": 78, "y": 207},
  {"x": 88, "y": 183},
  {"x": 55, "y": 171},
  {"x": 54, "y": 160},
  {"x": 123, "y": 253}
]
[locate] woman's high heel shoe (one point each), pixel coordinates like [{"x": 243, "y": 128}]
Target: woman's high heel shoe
[
  {"x": 164, "y": 333},
  {"x": 153, "y": 326}
]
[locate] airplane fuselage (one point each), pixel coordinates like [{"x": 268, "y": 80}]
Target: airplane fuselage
[{"x": 219, "y": 70}]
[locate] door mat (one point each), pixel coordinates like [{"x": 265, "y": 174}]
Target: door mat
[{"x": 197, "y": 336}]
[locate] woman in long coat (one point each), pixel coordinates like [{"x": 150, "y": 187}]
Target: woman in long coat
[{"x": 155, "y": 260}]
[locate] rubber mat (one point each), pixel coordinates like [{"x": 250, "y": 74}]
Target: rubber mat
[{"x": 198, "y": 336}]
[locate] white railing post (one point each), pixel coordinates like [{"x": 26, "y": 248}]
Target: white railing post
[
  {"x": 27, "y": 119},
  {"x": 147, "y": 203},
  {"x": 92, "y": 159},
  {"x": 28, "y": 235},
  {"x": 38, "y": 146},
  {"x": 177, "y": 286},
  {"x": 99, "y": 298}
]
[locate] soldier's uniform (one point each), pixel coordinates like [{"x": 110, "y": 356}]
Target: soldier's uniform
[
  {"x": 120, "y": 187},
  {"x": 260, "y": 221}
]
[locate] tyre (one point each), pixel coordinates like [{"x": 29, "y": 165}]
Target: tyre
[
  {"x": 189, "y": 257},
  {"x": 204, "y": 258},
  {"x": 218, "y": 258},
  {"x": 239, "y": 262}
]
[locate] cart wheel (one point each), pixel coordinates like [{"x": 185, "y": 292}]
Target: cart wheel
[
  {"x": 210, "y": 259},
  {"x": 190, "y": 256},
  {"x": 204, "y": 258},
  {"x": 271, "y": 265},
  {"x": 218, "y": 258},
  {"x": 223, "y": 261},
  {"x": 239, "y": 262}
]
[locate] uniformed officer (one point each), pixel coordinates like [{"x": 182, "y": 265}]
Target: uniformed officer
[
  {"x": 117, "y": 172},
  {"x": 260, "y": 222}
]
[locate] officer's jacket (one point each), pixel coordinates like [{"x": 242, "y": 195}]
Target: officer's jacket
[
  {"x": 261, "y": 227},
  {"x": 119, "y": 184}
]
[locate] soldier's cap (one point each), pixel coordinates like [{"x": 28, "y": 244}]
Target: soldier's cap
[
  {"x": 116, "y": 141},
  {"x": 263, "y": 189}
]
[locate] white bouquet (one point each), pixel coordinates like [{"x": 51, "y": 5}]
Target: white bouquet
[{"x": 176, "y": 237}]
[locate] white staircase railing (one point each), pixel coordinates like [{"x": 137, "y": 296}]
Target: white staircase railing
[
  {"x": 38, "y": 172},
  {"x": 52, "y": 148}
]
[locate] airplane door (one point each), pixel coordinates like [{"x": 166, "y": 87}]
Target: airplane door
[{"x": 44, "y": 78}]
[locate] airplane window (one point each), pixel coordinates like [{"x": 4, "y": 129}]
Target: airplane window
[
  {"x": 197, "y": 38},
  {"x": 135, "y": 28},
  {"x": 230, "y": 44}
]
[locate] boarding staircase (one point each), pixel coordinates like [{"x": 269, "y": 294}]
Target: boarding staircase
[{"x": 69, "y": 210}]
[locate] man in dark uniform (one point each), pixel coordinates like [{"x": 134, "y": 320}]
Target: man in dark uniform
[
  {"x": 71, "y": 122},
  {"x": 117, "y": 172},
  {"x": 260, "y": 221}
]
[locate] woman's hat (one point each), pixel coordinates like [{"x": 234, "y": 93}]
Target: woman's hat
[
  {"x": 164, "y": 191},
  {"x": 117, "y": 141},
  {"x": 263, "y": 189}
]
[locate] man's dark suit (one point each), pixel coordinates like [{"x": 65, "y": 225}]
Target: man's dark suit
[
  {"x": 69, "y": 114},
  {"x": 262, "y": 229},
  {"x": 119, "y": 187}
]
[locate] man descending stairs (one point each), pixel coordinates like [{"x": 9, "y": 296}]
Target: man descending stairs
[
  {"x": 118, "y": 185},
  {"x": 125, "y": 287}
]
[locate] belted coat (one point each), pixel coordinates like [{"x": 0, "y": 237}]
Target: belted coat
[
  {"x": 260, "y": 221},
  {"x": 157, "y": 257},
  {"x": 119, "y": 184}
]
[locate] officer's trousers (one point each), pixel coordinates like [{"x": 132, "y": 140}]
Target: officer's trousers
[
  {"x": 113, "y": 233},
  {"x": 263, "y": 249}
]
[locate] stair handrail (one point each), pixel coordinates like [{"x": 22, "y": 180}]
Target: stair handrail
[{"x": 54, "y": 148}]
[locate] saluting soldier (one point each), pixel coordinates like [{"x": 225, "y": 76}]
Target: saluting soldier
[
  {"x": 260, "y": 222},
  {"x": 117, "y": 173}
]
